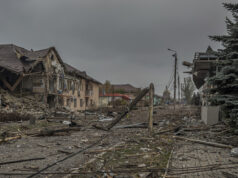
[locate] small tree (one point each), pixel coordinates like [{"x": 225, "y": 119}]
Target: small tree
[{"x": 187, "y": 89}]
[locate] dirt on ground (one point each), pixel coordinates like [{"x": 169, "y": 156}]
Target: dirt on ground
[{"x": 77, "y": 149}]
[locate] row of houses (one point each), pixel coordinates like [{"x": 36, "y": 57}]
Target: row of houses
[{"x": 45, "y": 75}]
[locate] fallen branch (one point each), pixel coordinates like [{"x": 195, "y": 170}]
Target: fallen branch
[
  {"x": 102, "y": 150},
  {"x": 195, "y": 129},
  {"x": 138, "y": 125},
  {"x": 204, "y": 142},
  {"x": 176, "y": 129},
  {"x": 22, "y": 160},
  {"x": 164, "y": 131},
  {"x": 65, "y": 152},
  {"x": 9, "y": 139}
]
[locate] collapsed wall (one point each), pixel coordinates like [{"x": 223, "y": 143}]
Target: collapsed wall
[{"x": 14, "y": 108}]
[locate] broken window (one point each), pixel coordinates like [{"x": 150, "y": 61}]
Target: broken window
[
  {"x": 52, "y": 57},
  {"x": 65, "y": 85},
  {"x": 73, "y": 86},
  {"x": 61, "y": 83},
  {"x": 75, "y": 102},
  {"x": 81, "y": 86},
  {"x": 78, "y": 87},
  {"x": 69, "y": 84},
  {"x": 81, "y": 102},
  {"x": 61, "y": 101},
  {"x": 68, "y": 102},
  {"x": 86, "y": 101}
]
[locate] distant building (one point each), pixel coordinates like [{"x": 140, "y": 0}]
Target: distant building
[
  {"x": 126, "y": 89},
  {"x": 107, "y": 99}
]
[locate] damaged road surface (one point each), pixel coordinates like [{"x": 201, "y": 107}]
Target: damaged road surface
[{"x": 84, "y": 151}]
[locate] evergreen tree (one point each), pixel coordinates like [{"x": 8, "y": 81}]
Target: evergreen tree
[{"x": 224, "y": 85}]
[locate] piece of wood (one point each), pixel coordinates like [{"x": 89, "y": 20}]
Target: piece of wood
[
  {"x": 50, "y": 132},
  {"x": 168, "y": 163},
  {"x": 151, "y": 108},
  {"x": 65, "y": 152},
  {"x": 164, "y": 131},
  {"x": 6, "y": 83},
  {"x": 9, "y": 138},
  {"x": 204, "y": 142},
  {"x": 138, "y": 125},
  {"x": 103, "y": 150}
]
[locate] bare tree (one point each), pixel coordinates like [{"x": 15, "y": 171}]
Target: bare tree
[{"x": 188, "y": 89}]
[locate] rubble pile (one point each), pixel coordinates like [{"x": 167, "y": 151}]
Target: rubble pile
[{"x": 13, "y": 108}]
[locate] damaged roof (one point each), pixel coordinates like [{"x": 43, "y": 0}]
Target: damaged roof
[
  {"x": 9, "y": 59},
  {"x": 71, "y": 70},
  {"x": 18, "y": 60}
]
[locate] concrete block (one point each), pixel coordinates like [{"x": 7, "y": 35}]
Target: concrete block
[{"x": 210, "y": 114}]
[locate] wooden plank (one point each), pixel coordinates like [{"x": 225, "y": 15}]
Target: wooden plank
[
  {"x": 204, "y": 142},
  {"x": 17, "y": 82},
  {"x": 6, "y": 83}
]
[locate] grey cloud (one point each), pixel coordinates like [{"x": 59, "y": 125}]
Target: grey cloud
[{"x": 124, "y": 41}]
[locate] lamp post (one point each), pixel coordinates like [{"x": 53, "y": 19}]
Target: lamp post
[{"x": 175, "y": 73}]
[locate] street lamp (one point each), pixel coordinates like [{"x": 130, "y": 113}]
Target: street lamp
[{"x": 175, "y": 73}]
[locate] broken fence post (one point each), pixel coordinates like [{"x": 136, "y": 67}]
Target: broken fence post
[
  {"x": 129, "y": 108},
  {"x": 151, "y": 108}
]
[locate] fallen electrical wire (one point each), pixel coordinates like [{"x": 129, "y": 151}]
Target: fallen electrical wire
[{"x": 71, "y": 155}]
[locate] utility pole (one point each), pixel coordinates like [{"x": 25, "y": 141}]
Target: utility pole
[
  {"x": 113, "y": 93},
  {"x": 175, "y": 74},
  {"x": 179, "y": 88}
]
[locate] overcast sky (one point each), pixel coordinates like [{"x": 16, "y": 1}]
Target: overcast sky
[{"x": 124, "y": 41}]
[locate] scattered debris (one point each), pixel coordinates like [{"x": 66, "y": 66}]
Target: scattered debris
[
  {"x": 234, "y": 152},
  {"x": 51, "y": 132},
  {"x": 9, "y": 139}
]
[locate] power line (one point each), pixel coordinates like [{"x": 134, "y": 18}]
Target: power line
[{"x": 70, "y": 156}]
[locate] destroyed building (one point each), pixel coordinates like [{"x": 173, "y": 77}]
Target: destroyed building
[
  {"x": 204, "y": 65},
  {"x": 43, "y": 74}
]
